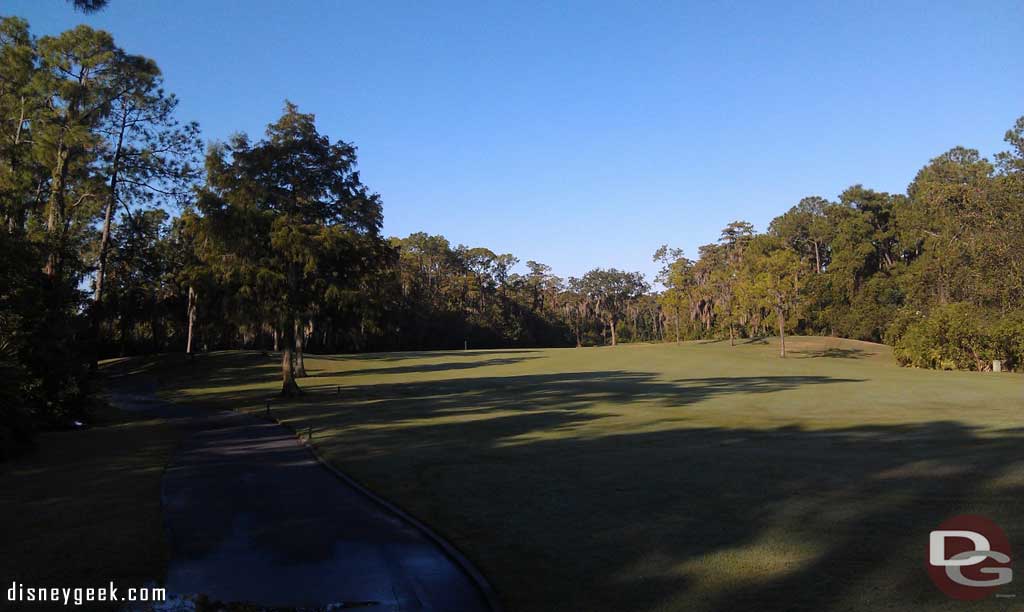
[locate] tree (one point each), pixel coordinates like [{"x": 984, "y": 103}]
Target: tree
[
  {"x": 150, "y": 154},
  {"x": 806, "y": 229},
  {"x": 1012, "y": 162},
  {"x": 139, "y": 281},
  {"x": 80, "y": 72},
  {"x": 291, "y": 219},
  {"x": 724, "y": 278},
  {"x": 189, "y": 275},
  {"x": 676, "y": 275},
  {"x": 947, "y": 223},
  {"x": 774, "y": 280},
  {"x": 575, "y": 308},
  {"x": 98, "y": 119},
  {"x": 21, "y": 176},
  {"x": 54, "y": 92},
  {"x": 609, "y": 292}
]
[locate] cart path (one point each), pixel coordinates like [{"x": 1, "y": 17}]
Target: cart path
[{"x": 253, "y": 517}]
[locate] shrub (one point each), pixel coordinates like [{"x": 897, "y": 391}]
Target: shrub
[
  {"x": 1008, "y": 337},
  {"x": 957, "y": 337},
  {"x": 16, "y": 426},
  {"x": 897, "y": 328}
]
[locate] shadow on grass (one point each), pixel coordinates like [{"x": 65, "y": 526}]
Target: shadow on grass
[
  {"x": 705, "y": 518},
  {"x": 737, "y": 341},
  {"x": 215, "y": 370},
  {"x": 84, "y": 508},
  {"x": 566, "y": 503},
  {"x": 232, "y": 369},
  {"x": 400, "y": 356},
  {"x": 520, "y": 472},
  {"x": 427, "y": 367},
  {"x": 832, "y": 353},
  {"x": 563, "y": 391}
]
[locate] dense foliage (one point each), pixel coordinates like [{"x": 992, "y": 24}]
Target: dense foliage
[
  {"x": 85, "y": 129},
  {"x": 938, "y": 272},
  {"x": 116, "y": 240}
]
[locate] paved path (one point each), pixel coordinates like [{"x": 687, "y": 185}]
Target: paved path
[{"x": 253, "y": 517}]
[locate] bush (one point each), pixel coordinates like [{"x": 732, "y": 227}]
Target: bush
[
  {"x": 957, "y": 337},
  {"x": 16, "y": 426},
  {"x": 44, "y": 336},
  {"x": 16, "y": 430},
  {"x": 872, "y": 309},
  {"x": 1008, "y": 337},
  {"x": 897, "y": 328}
]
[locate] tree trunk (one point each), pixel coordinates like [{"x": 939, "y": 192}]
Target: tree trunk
[
  {"x": 159, "y": 333},
  {"x": 15, "y": 213},
  {"x": 55, "y": 212},
  {"x": 126, "y": 323},
  {"x": 732, "y": 335},
  {"x": 300, "y": 361},
  {"x": 101, "y": 269},
  {"x": 115, "y": 168},
  {"x": 611, "y": 326},
  {"x": 276, "y": 334},
  {"x": 679, "y": 322},
  {"x": 817, "y": 258},
  {"x": 190, "y": 315},
  {"x": 782, "y": 334},
  {"x": 289, "y": 388}
]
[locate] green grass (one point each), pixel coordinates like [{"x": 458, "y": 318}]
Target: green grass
[
  {"x": 83, "y": 509},
  {"x": 694, "y": 477}
]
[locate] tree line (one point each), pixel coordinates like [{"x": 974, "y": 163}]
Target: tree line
[
  {"x": 123, "y": 234},
  {"x": 937, "y": 272}
]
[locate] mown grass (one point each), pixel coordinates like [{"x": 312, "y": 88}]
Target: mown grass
[
  {"x": 83, "y": 509},
  {"x": 694, "y": 477}
]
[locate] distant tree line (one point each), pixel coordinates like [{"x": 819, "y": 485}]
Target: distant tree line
[
  {"x": 937, "y": 272},
  {"x": 120, "y": 236}
]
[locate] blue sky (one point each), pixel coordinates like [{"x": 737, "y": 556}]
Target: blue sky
[{"x": 587, "y": 134}]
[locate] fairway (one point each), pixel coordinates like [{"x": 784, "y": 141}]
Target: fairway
[{"x": 661, "y": 477}]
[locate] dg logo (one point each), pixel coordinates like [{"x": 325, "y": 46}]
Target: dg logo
[{"x": 969, "y": 557}]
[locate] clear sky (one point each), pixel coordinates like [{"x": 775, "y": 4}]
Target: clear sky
[{"x": 587, "y": 134}]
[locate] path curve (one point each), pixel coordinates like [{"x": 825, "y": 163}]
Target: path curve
[{"x": 254, "y": 517}]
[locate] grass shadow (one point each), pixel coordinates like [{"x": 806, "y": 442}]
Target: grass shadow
[
  {"x": 428, "y": 367},
  {"x": 618, "y": 489},
  {"x": 832, "y": 353}
]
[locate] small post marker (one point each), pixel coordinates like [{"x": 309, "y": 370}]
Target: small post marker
[
  {"x": 268, "y": 408},
  {"x": 338, "y": 390}
]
